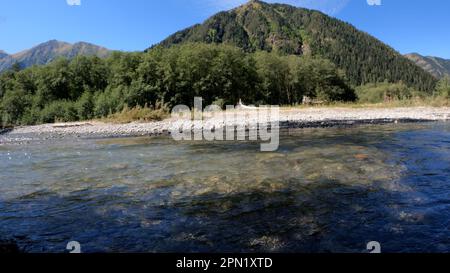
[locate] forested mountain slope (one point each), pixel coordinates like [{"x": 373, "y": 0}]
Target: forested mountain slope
[{"x": 289, "y": 30}]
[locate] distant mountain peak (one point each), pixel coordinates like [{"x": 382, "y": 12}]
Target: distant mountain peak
[
  {"x": 84, "y": 43},
  {"x": 253, "y": 4},
  {"x": 413, "y": 54},
  {"x": 53, "y": 41},
  {"x": 3, "y": 54},
  {"x": 48, "y": 51},
  {"x": 436, "y": 66}
]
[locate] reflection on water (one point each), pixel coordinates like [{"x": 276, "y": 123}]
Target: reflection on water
[{"x": 324, "y": 190}]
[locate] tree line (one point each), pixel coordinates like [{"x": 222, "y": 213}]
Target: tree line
[{"x": 90, "y": 87}]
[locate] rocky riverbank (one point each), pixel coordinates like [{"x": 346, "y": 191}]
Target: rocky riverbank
[{"x": 289, "y": 118}]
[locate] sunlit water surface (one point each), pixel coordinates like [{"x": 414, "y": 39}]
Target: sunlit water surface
[{"x": 324, "y": 190}]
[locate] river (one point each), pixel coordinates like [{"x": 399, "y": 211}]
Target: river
[{"x": 324, "y": 190}]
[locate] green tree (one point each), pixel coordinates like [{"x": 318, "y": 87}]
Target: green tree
[
  {"x": 319, "y": 78},
  {"x": 443, "y": 87},
  {"x": 85, "y": 106},
  {"x": 59, "y": 111},
  {"x": 53, "y": 82},
  {"x": 274, "y": 73},
  {"x": 13, "y": 105},
  {"x": 87, "y": 73}
]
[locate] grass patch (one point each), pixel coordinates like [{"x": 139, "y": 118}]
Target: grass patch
[
  {"x": 413, "y": 102},
  {"x": 137, "y": 114}
]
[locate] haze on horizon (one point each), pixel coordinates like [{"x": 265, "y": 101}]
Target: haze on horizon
[{"x": 407, "y": 26}]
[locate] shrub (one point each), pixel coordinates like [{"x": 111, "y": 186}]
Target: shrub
[
  {"x": 85, "y": 106},
  {"x": 383, "y": 92},
  {"x": 109, "y": 102},
  {"x": 219, "y": 102},
  {"x": 31, "y": 116},
  {"x": 443, "y": 87},
  {"x": 138, "y": 113},
  {"x": 59, "y": 111},
  {"x": 13, "y": 105}
]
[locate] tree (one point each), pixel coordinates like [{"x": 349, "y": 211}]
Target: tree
[
  {"x": 87, "y": 73},
  {"x": 274, "y": 73},
  {"x": 53, "y": 82},
  {"x": 443, "y": 87},
  {"x": 319, "y": 78},
  {"x": 13, "y": 105},
  {"x": 85, "y": 106}
]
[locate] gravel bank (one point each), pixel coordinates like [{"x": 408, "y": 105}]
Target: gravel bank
[{"x": 289, "y": 118}]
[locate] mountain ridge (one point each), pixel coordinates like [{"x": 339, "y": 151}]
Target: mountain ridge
[
  {"x": 286, "y": 29},
  {"x": 438, "y": 67},
  {"x": 46, "y": 52}
]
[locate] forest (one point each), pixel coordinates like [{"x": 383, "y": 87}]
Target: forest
[
  {"x": 90, "y": 87},
  {"x": 86, "y": 88}
]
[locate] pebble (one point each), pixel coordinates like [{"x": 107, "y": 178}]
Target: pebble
[{"x": 289, "y": 118}]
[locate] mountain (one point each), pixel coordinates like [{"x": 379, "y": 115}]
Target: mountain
[
  {"x": 5, "y": 60},
  {"x": 438, "y": 67},
  {"x": 286, "y": 29},
  {"x": 47, "y": 52},
  {"x": 3, "y": 54}
]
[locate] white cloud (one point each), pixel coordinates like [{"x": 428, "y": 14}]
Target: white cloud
[
  {"x": 374, "y": 2},
  {"x": 73, "y": 2}
]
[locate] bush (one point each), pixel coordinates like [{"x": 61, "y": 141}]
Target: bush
[
  {"x": 138, "y": 113},
  {"x": 31, "y": 116},
  {"x": 13, "y": 105},
  {"x": 59, "y": 111},
  {"x": 383, "y": 92},
  {"x": 109, "y": 102},
  {"x": 219, "y": 102},
  {"x": 443, "y": 87},
  {"x": 85, "y": 106}
]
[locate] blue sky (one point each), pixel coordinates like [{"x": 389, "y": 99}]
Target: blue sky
[{"x": 421, "y": 26}]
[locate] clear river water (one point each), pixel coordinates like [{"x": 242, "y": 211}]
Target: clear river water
[{"x": 324, "y": 190}]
